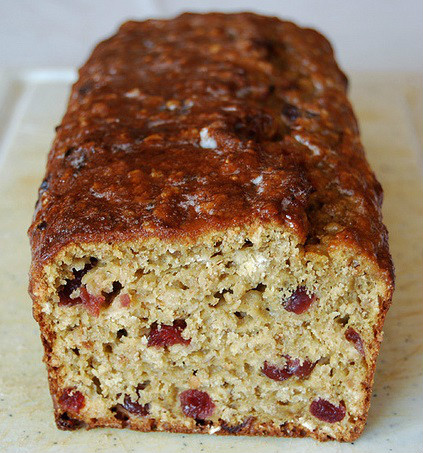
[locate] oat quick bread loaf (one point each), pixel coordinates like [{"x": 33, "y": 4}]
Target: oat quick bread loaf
[{"x": 208, "y": 248}]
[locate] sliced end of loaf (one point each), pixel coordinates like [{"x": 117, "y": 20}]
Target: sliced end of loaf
[{"x": 242, "y": 332}]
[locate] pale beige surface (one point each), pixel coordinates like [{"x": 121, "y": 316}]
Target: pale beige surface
[{"x": 389, "y": 109}]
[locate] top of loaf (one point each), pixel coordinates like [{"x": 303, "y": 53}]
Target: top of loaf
[{"x": 203, "y": 122}]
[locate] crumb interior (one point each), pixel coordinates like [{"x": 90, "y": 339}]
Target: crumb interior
[{"x": 230, "y": 292}]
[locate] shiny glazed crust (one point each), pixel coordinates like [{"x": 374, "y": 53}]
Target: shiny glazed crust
[{"x": 179, "y": 128}]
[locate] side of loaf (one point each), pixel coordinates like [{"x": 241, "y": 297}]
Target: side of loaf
[{"x": 208, "y": 252}]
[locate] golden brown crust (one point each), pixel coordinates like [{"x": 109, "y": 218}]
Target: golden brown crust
[{"x": 178, "y": 127}]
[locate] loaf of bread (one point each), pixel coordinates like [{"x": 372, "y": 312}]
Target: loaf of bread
[{"x": 208, "y": 247}]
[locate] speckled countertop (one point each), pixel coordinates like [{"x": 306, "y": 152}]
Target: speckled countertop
[{"x": 389, "y": 108}]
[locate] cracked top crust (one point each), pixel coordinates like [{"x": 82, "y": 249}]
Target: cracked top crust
[{"x": 178, "y": 127}]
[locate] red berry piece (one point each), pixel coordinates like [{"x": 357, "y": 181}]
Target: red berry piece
[
  {"x": 71, "y": 285},
  {"x": 135, "y": 408},
  {"x": 196, "y": 404},
  {"x": 161, "y": 336},
  {"x": 276, "y": 373},
  {"x": 72, "y": 400},
  {"x": 299, "y": 301},
  {"x": 92, "y": 303},
  {"x": 291, "y": 368},
  {"x": 300, "y": 370},
  {"x": 68, "y": 423},
  {"x": 120, "y": 413},
  {"x": 125, "y": 300},
  {"x": 326, "y": 411},
  {"x": 64, "y": 296},
  {"x": 355, "y": 338}
]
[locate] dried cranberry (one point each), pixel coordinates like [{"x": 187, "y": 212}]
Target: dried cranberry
[
  {"x": 275, "y": 373},
  {"x": 120, "y": 413},
  {"x": 125, "y": 300},
  {"x": 355, "y": 338},
  {"x": 167, "y": 335},
  {"x": 142, "y": 386},
  {"x": 302, "y": 371},
  {"x": 66, "y": 290},
  {"x": 64, "y": 295},
  {"x": 326, "y": 411},
  {"x": 135, "y": 408},
  {"x": 291, "y": 368},
  {"x": 68, "y": 423},
  {"x": 91, "y": 303},
  {"x": 196, "y": 404},
  {"x": 299, "y": 301},
  {"x": 72, "y": 400}
]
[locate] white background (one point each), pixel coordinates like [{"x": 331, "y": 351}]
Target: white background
[{"x": 369, "y": 35}]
